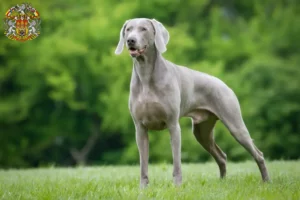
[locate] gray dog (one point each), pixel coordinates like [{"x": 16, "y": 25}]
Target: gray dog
[{"x": 162, "y": 92}]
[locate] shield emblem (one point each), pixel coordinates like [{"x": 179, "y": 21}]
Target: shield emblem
[
  {"x": 22, "y": 23},
  {"x": 22, "y": 28}
]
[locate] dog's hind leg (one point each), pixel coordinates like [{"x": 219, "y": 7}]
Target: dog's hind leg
[
  {"x": 229, "y": 113},
  {"x": 204, "y": 134},
  {"x": 241, "y": 134}
]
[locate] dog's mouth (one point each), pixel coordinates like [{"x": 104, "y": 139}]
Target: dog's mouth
[{"x": 135, "y": 52}]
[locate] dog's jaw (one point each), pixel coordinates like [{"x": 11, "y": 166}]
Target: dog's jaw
[{"x": 136, "y": 52}]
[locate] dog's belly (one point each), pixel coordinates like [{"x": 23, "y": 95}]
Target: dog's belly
[
  {"x": 151, "y": 114},
  {"x": 199, "y": 115}
]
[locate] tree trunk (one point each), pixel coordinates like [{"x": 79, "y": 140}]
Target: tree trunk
[{"x": 81, "y": 156}]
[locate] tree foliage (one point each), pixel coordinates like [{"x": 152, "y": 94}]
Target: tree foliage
[{"x": 64, "y": 95}]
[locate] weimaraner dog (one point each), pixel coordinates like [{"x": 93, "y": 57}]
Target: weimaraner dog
[{"x": 162, "y": 92}]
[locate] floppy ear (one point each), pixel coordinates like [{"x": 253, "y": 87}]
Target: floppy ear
[
  {"x": 121, "y": 43},
  {"x": 161, "y": 36}
]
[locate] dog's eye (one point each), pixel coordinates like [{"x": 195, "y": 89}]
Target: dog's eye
[
  {"x": 128, "y": 29},
  {"x": 143, "y": 29}
]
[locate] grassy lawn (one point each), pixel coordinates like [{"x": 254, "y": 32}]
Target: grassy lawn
[{"x": 200, "y": 181}]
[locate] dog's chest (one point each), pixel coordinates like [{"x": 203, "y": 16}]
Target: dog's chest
[{"x": 149, "y": 110}]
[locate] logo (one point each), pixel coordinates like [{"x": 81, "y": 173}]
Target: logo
[{"x": 22, "y": 23}]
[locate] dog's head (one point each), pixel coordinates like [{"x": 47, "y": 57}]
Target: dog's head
[{"x": 139, "y": 34}]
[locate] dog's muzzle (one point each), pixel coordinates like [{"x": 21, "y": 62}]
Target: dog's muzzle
[{"x": 135, "y": 52}]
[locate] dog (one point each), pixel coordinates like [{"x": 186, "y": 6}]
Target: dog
[{"x": 162, "y": 92}]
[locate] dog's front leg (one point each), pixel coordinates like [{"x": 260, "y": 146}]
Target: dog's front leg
[
  {"x": 175, "y": 132},
  {"x": 143, "y": 146}
]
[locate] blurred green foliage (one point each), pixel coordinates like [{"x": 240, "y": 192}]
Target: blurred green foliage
[{"x": 64, "y": 95}]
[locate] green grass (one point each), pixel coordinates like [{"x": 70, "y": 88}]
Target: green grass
[{"x": 200, "y": 181}]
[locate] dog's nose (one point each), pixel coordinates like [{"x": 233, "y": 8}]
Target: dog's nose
[{"x": 131, "y": 41}]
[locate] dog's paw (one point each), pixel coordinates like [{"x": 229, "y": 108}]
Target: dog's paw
[
  {"x": 144, "y": 183},
  {"x": 177, "y": 180}
]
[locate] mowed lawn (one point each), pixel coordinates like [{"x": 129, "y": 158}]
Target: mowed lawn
[{"x": 200, "y": 181}]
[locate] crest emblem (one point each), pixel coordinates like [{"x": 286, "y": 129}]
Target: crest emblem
[{"x": 22, "y": 23}]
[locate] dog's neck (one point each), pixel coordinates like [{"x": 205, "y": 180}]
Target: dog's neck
[{"x": 144, "y": 66}]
